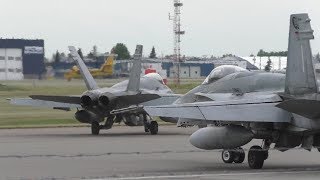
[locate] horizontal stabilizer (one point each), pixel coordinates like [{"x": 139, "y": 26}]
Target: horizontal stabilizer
[
  {"x": 137, "y": 98},
  {"x": 60, "y": 99},
  {"x": 303, "y": 107},
  {"x": 164, "y": 99},
  {"x": 41, "y": 103}
]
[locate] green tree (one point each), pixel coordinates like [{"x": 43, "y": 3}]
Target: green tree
[
  {"x": 153, "y": 54},
  {"x": 62, "y": 56},
  {"x": 80, "y": 53},
  {"x": 261, "y": 53},
  {"x": 272, "y": 53},
  {"x": 227, "y": 55},
  {"x": 121, "y": 50},
  {"x": 57, "y": 57},
  {"x": 317, "y": 58},
  {"x": 268, "y": 67},
  {"x": 95, "y": 51},
  {"x": 93, "y": 54}
]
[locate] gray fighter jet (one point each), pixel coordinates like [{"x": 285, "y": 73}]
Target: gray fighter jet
[
  {"x": 121, "y": 102},
  {"x": 239, "y": 105}
]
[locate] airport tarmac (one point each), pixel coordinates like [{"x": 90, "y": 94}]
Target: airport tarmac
[{"x": 129, "y": 153}]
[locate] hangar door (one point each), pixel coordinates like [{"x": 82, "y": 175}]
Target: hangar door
[{"x": 11, "y": 64}]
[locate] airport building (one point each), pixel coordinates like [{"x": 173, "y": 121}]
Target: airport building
[
  {"x": 21, "y": 58},
  {"x": 192, "y": 68}
]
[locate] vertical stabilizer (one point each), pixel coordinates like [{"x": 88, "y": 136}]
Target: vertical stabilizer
[
  {"x": 108, "y": 64},
  {"x": 134, "y": 80},
  {"x": 300, "y": 75},
  {"x": 88, "y": 79}
]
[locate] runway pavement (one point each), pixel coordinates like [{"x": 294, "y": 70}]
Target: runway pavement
[{"x": 129, "y": 153}]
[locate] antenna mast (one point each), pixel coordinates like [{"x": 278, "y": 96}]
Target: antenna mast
[{"x": 177, "y": 33}]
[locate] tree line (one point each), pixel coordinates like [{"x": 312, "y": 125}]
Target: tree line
[
  {"x": 262, "y": 53},
  {"x": 120, "y": 49}
]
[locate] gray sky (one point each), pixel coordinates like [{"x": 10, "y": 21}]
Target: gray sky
[{"x": 213, "y": 27}]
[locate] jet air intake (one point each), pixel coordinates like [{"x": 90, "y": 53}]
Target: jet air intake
[{"x": 226, "y": 137}]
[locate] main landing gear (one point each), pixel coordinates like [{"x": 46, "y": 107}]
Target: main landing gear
[
  {"x": 256, "y": 155},
  {"x": 95, "y": 126},
  {"x": 150, "y": 126},
  {"x": 235, "y": 155},
  {"x": 153, "y": 127}
]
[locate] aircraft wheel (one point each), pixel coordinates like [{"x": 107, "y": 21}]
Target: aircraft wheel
[
  {"x": 239, "y": 155},
  {"x": 256, "y": 157},
  {"x": 153, "y": 127},
  {"x": 95, "y": 128},
  {"x": 227, "y": 156}
]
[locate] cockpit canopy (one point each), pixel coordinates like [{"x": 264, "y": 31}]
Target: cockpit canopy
[
  {"x": 155, "y": 76},
  {"x": 222, "y": 71}
]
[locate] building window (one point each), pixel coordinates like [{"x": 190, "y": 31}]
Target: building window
[
  {"x": 185, "y": 72},
  {"x": 196, "y": 72},
  {"x": 18, "y": 58},
  {"x": 10, "y": 58},
  {"x": 11, "y": 70},
  {"x": 2, "y": 70},
  {"x": 2, "y": 58},
  {"x": 18, "y": 70}
]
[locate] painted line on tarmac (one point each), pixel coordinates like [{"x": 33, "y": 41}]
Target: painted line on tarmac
[{"x": 288, "y": 171}]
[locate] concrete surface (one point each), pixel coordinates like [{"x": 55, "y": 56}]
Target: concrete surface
[{"x": 129, "y": 153}]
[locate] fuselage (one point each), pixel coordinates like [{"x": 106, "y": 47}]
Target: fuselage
[{"x": 244, "y": 82}]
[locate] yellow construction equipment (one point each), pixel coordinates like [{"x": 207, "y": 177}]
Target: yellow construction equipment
[{"x": 106, "y": 70}]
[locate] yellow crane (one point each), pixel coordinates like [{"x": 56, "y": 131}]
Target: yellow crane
[{"x": 106, "y": 70}]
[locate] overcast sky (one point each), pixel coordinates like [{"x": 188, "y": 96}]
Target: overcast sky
[{"x": 213, "y": 27}]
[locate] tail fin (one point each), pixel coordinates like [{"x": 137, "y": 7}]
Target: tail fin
[
  {"x": 300, "y": 75},
  {"x": 134, "y": 80},
  {"x": 110, "y": 59},
  {"x": 88, "y": 79},
  {"x": 107, "y": 66}
]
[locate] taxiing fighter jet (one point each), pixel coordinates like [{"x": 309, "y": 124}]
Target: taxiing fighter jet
[
  {"x": 238, "y": 105},
  {"x": 121, "y": 102}
]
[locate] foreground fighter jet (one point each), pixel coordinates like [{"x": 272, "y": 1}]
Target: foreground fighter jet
[
  {"x": 121, "y": 102},
  {"x": 241, "y": 106}
]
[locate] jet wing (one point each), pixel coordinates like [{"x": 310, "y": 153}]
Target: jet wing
[
  {"x": 259, "y": 109},
  {"x": 41, "y": 103},
  {"x": 59, "y": 99}
]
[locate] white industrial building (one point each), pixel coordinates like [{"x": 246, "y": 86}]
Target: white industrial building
[{"x": 11, "y": 66}]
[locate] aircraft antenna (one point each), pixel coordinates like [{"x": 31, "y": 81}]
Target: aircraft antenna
[{"x": 176, "y": 40}]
